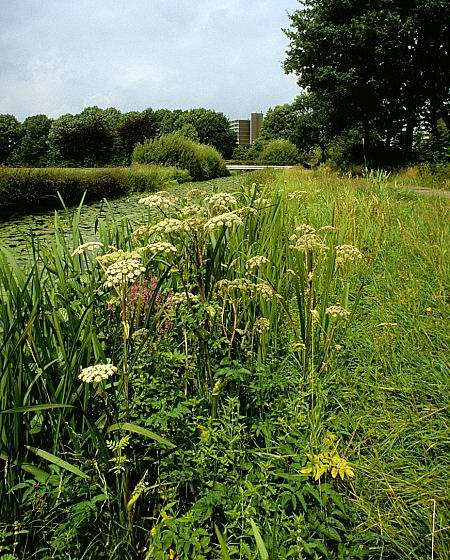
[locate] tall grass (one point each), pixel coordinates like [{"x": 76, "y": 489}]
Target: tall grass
[{"x": 259, "y": 363}]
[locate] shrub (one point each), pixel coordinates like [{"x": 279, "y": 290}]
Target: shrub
[
  {"x": 23, "y": 188},
  {"x": 279, "y": 152},
  {"x": 201, "y": 161}
]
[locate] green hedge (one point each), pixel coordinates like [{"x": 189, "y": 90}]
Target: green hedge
[
  {"x": 201, "y": 161},
  {"x": 26, "y": 188},
  {"x": 279, "y": 152}
]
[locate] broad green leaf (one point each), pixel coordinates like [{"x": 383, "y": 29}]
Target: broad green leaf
[
  {"x": 143, "y": 432},
  {"x": 58, "y": 461},
  {"x": 263, "y": 554},
  {"x": 223, "y": 544}
]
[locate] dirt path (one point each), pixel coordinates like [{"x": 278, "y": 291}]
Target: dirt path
[{"x": 429, "y": 192}]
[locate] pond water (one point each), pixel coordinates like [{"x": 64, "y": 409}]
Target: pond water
[{"x": 16, "y": 230}]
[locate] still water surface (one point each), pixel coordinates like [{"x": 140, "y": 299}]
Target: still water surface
[{"x": 16, "y": 230}]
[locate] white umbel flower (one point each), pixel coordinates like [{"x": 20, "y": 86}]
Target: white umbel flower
[
  {"x": 161, "y": 199},
  {"x": 228, "y": 219},
  {"x": 91, "y": 246},
  {"x": 347, "y": 254},
  {"x": 123, "y": 272},
  {"x": 337, "y": 311},
  {"x": 256, "y": 262},
  {"x": 97, "y": 373}
]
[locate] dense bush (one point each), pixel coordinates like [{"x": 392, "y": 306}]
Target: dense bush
[
  {"x": 32, "y": 187},
  {"x": 279, "y": 152},
  {"x": 201, "y": 161}
]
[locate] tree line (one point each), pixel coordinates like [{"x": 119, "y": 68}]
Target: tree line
[{"x": 98, "y": 137}]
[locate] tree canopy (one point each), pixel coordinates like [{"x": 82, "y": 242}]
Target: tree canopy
[{"x": 381, "y": 66}]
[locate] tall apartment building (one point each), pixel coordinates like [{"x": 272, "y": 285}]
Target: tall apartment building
[{"x": 247, "y": 131}]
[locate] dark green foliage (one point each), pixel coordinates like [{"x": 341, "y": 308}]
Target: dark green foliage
[
  {"x": 28, "y": 188},
  {"x": 279, "y": 152},
  {"x": 9, "y": 137},
  {"x": 212, "y": 128},
  {"x": 32, "y": 150},
  {"x": 201, "y": 161},
  {"x": 381, "y": 67},
  {"x": 132, "y": 128},
  {"x": 84, "y": 140}
]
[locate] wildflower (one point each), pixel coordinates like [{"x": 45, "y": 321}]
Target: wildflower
[
  {"x": 326, "y": 229},
  {"x": 178, "y": 298},
  {"x": 347, "y": 254},
  {"x": 193, "y": 210},
  {"x": 336, "y": 311},
  {"x": 265, "y": 290},
  {"x": 141, "y": 231},
  {"x": 298, "y": 346},
  {"x": 123, "y": 271},
  {"x": 168, "y": 225},
  {"x": 308, "y": 242},
  {"x": 221, "y": 201},
  {"x": 238, "y": 284},
  {"x": 260, "y": 201},
  {"x": 296, "y": 195},
  {"x": 97, "y": 373},
  {"x": 262, "y": 325},
  {"x": 228, "y": 219},
  {"x": 256, "y": 262},
  {"x": 163, "y": 247},
  {"x": 303, "y": 229},
  {"x": 91, "y": 246},
  {"x": 111, "y": 258},
  {"x": 246, "y": 211},
  {"x": 161, "y": 199}
]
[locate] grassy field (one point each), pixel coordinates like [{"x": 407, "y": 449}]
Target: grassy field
[{"x": 281, "y": 388}]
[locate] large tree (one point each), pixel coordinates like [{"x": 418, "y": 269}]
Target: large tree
[
  {"x": 32, "y": 150},
  {"x": 87, "y": 139},
  {"x": 381, "y": 66}
]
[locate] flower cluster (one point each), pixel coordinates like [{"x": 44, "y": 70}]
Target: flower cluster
[
  {"x": 193, "y": 210},
  {"x": 91, "y": 246},
  {"x": 97, "y": 373},
  {"x": 168, "y": 225},
  {"x": 256, "y": 262},
  {"x": 262, "y": 325},
  {"x": 221, "y": 201},
  {"x": 308, "y": 242},
  {"x": 228, "y": 219},
  {"x": 347, "y": 254},
  {"x": 111, "y": 258},
  {"x": 161, "y": 199},
  {"x": 162, "y": 247},
  {"x": 141, "y": 231},
  {"x": 178, "y": 298},
  {"x": 244, "y": 285},
  {"x": 122, "y": 272},
  {"x": 336, "y": 311}
]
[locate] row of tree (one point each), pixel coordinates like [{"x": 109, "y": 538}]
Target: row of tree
[
  {"x": 375, "y": 76},
  {"x": 97, "y": 137}
]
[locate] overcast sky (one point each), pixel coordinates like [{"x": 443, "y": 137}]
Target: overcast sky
[{"x": 58, "y": 56}]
